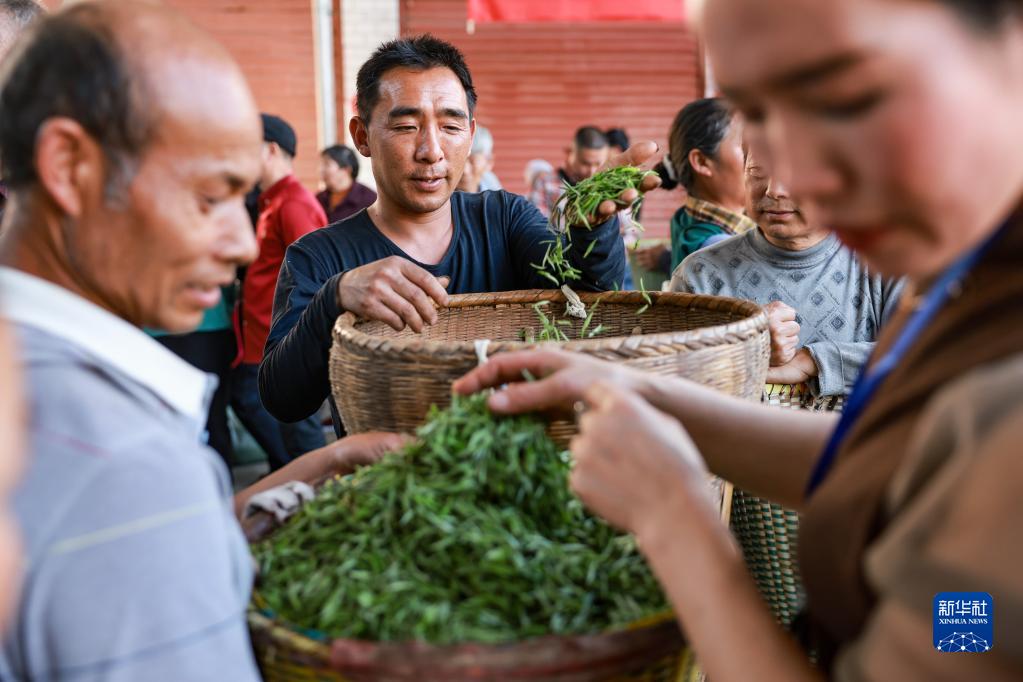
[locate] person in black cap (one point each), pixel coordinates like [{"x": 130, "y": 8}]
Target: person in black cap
[{"x": 287, "y": 211}]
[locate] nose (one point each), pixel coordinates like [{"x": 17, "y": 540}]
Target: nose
[
  {"x": 238, "y": 243},
  {"x": 777, "y": 187},
  {"x": 428, "y": 150}
]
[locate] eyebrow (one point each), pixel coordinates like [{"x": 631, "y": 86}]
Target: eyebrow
[
  {"x": 447, "y": 112},
  {"x": 807, "y": 75},
  {"x": 236, "y": 182}
]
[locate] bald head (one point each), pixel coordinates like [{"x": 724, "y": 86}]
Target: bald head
[{"x": 109, "y": 66}]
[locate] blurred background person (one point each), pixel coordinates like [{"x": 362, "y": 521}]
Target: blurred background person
[
  {"x": 534, "y": 168},
  {"x": 617, "y": 139},
  {"x": 589, "y": 151},
  {"x": 479, "y": 175},
  {"x": 705, "y": 153},
  {"x": 583, "y": 158},
  {"x": 287, "y": 211},
  {"x": 15, "y": 16},
  {"x": 11, "y": 461},
  {"x": 342, "y": 195}
]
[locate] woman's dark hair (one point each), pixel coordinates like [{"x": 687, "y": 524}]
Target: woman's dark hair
[
  {"x": 701, "y": 125},
  {"x": 343, "y": 157},
  {"x": 986, "y": 13},
  {"x": 419, "y": 52}
]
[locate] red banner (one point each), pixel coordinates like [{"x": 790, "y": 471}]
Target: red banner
[{"x": 525, "y": 11}]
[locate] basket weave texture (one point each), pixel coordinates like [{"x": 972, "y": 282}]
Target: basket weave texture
[
  {"x": 768, "y": 532},
  {"x": 386, "y": 380}
]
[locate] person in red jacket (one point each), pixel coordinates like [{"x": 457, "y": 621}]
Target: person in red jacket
[{"x": 287, "y": 211}]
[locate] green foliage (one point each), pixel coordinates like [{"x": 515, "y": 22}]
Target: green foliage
[
  {"x": 578, "y": 203},
  {"x": 470, "y": 534}
]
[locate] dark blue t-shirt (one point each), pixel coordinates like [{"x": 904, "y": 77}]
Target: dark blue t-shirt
[{"x": 497, "y": 235}]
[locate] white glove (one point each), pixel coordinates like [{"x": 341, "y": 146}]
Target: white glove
[{"x": 282, "y": 501}]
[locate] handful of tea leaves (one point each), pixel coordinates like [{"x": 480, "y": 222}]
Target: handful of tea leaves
[
  {"x": 579, "y": 202},
  {"x": 470, "y": 534}
]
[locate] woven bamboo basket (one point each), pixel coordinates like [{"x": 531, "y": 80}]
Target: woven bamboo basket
[
  {"x": 646, "y": 651},
  {"x": 768, "y": 532},
  {"x": 386, "y": 380}
]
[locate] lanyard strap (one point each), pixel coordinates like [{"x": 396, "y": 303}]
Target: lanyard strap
[{"x": 948, "y": 285}]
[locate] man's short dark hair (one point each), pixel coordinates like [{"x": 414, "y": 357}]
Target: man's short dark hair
[
  {"x": 617, "y": 137},
  {"x": 72, "y": 66},
  {"x": 343, "y": 157},
  {"x": 590, "y": 137},
  {"x": 418, "y": 52}
]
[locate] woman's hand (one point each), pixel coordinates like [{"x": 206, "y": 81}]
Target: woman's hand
[
  {"x": 561, "y": 380},
  {"x": 631, "y": 459}
]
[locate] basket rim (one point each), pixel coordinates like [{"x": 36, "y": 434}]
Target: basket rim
[
  {"x": 754, "y": 323},
  {"x": 655, "y": 633}
]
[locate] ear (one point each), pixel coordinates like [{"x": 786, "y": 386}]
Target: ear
[
  {"x": 69, "y": 163},
  {"x": 700, "y": 163},
  {"x": 360, "y": 135},
  {"x": 472, "y": 128}
]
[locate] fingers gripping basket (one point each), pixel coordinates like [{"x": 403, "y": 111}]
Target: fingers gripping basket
[{"x": 386, "y": 380}]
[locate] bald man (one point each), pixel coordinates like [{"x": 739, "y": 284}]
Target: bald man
[{"x": 127, "y": 165}]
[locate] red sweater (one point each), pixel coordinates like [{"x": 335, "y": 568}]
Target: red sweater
[{"x": 287, "y": 211}]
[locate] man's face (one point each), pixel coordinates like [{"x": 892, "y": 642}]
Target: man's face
[
  {"x": 418, "y": 137},
  {"x": 159, "y": 257},
  {"x": 896, "y": 120},
  {"x": 584, "y": 163},
  {"x": 11, "y": 460},
  {"x": 770, "y": 205}
]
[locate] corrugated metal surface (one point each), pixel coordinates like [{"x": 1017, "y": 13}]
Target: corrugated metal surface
[
  {"x": 273, "y": 42},
  {"x": 537, "y": 83}
]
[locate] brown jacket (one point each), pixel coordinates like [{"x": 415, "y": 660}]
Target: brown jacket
[
  {"x": 954, "y": 522},
  {"x": 977, "y": 329}
]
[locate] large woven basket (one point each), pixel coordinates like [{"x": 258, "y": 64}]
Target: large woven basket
[
  {"x": 647, "y": 651},
  {"x": 386, "y": 380},
  {"x": 768, "y": 532}
]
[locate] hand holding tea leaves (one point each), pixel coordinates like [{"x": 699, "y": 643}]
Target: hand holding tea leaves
[{"x": 618, "y": 186}]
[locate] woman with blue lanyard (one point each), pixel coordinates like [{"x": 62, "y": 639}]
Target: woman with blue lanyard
[{"x": 900, "y": 120}]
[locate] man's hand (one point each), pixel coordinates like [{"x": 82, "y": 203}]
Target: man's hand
[
  {"x": 561, "y": 380},
  {"x": 630, "y": 459},
  {"x": 363, "y": 449},
  {"x": 797, "y": 370},
  {"x": 395, "y": 291},
  {"x": 781, "y": 319},
  {"x": 636, "y": 155}
]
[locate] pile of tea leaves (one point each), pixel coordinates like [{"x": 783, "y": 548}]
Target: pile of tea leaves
[{"x": 470, "y": 534}]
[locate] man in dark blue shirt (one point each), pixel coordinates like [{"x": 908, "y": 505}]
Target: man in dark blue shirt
[{"x": 420, "y": 240}]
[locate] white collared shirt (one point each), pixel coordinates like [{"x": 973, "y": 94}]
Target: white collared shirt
[{"x": 34, "y": 302}]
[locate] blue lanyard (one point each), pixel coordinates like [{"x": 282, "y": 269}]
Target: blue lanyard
[{"x": 870, "y": 380}]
